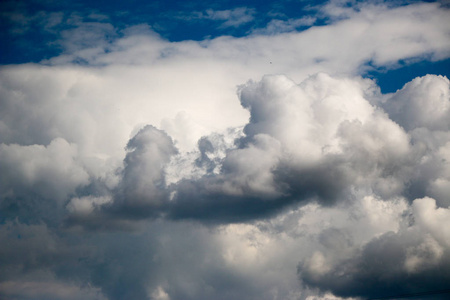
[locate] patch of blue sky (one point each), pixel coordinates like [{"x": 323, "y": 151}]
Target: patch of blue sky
[
  {"x": 31, "y": 28},
  {"x": 390, "y": 80}
]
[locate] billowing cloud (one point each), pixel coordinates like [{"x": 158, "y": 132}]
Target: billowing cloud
[
  {"x": 143, "y": 187},
  {"x": 258, "y": 167},
  {"x": 414, "y": 259},
  {"x": 354, "y": 157},
  {"x": 36, "y": 180},
  {"x": 422, "y": 103},
  {"x": 317, "y": 141}
]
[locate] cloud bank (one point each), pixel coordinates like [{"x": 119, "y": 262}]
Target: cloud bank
[{"x": 262, "y": 167}]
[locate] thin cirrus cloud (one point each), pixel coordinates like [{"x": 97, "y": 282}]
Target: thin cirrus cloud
[
  {"x": 256, "y": 167},
  {"x": 228, "y": 18}
]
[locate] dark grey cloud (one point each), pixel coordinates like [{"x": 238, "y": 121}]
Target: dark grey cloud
[
  {"x": 141, "y": 193},
  {"x": 376, "y": 272},
  {"x": 143, "y": 188}
]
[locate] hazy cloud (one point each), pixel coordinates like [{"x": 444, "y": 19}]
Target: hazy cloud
[{"x": 229, "y": 17}]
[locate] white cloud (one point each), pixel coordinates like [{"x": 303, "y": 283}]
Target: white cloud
[
  {"x": 143, "y": 183},
  {"x": 314, "y": 170},
  {"x": 52, "y": 171},
  {"x": 424, "y": 256},
  {"x": 318, "y": 140},
  {"x": 86, "y": 205},
  {"x": 160, "y": 294},
  {"x": 423, "y": 102},
  {"x": 434, "y": 220},
  {"x": 163, "y": 79}
]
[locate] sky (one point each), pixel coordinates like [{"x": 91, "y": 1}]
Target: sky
[{"x": 228, "y": 150}]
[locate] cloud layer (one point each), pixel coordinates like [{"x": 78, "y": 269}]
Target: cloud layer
[{"x": 262, "y": 167}]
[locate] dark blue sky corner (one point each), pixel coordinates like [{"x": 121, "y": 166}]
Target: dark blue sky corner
[{"x": 30, "y": 28}]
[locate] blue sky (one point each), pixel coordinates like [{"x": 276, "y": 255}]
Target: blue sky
[
  {"x": 229, "y": 150},
  {"x": 174, "y": 20},
  {"x": 32, "y": 29}
]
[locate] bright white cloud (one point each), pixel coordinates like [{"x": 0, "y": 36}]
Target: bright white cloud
[{"x": 423, "y": 102}]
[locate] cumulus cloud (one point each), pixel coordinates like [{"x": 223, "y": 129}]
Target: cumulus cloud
[
  {"x": 421, "y": 107},
  {"x": 51, "y": 172},
  {"x": 320, "y": 140},
  {"x": 143, "y": 184},
  {"x": 36, "y": 180},
  {"x": 323, "y": 142},
  {"x": 421, "y": 103},
  {"x": 140, "y": 173},
  {"x": 412, "y": 259},
  {"x": 193, "y": 77}
]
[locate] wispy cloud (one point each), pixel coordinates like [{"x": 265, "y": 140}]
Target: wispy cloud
[
  {"x": 228, "y": 18},
  {"x": 276, "y": 26}
]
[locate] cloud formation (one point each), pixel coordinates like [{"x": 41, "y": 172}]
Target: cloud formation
[
  {"x": 319, "y": 141},
  {"x": 414, "y": 259},
  {"x": 131, "y": 168}
]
